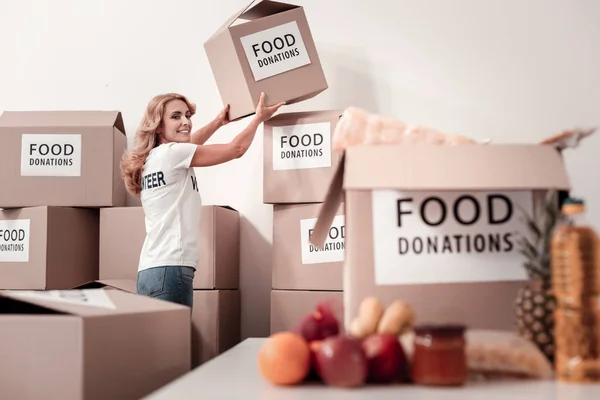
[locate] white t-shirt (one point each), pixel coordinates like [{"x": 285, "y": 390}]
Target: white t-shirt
[{"x": 171, "y": 203}]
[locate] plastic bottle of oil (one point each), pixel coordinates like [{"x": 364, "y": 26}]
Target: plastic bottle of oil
[{"x": 575, "y": 273}]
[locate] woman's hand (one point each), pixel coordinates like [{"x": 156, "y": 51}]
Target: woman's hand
[
  {"x": 263, "y": 113},
  {"x": 222, "y": 118}
]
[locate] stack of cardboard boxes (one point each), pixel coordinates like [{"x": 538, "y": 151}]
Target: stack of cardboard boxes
[
  {"x": 298, "y": 166},
  {"x": 216, "y": 309},
  {"x": 268, "y": 47},
  {"x": 58, "y": 170}
]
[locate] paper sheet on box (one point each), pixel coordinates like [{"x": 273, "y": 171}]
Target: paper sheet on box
[{"x": 83, "y": 297}]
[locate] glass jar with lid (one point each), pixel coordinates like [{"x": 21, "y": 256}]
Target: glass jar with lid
[{"x": 439, "y": 357}]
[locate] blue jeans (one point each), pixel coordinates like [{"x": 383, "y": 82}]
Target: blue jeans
[{"x": 170, "y": 283}]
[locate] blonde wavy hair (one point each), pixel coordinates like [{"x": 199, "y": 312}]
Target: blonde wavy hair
[{"x": 146, "y": 138}]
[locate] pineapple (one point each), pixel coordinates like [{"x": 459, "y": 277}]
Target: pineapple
[{"x": 535, "y": 303}]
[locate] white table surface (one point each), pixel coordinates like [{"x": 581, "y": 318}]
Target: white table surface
[{"x": 234, "y": 375}]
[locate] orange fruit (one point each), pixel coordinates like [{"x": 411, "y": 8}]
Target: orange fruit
[{"x": 284, "y": 359}]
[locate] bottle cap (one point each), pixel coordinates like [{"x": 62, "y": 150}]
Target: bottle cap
[{"x": 573, "y": 205}]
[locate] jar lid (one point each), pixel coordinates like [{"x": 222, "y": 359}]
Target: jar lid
[{"x": 440, "y": 329}]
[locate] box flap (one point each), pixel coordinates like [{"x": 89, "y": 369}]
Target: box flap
[
  {"x": 15, "y": 119},
  {"x": 98, "y": 302},
  {"x": 255, "y": 10},
  {"x": 225, "y": 207},
  {"x": 15, "y": 306},
  {"x": 265, "y": 8},
  {"x": 127, "y": 285},
  {"x": 76, "y": 302},
  {"x": 463, "y": 167},
  {"x": 569, "y": 138},
  {"x": 300, "y": 115},
  {"x": 329, "y": 208}
]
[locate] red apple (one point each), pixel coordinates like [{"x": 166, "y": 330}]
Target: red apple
[
  {"x": 386, "y": 359},
  {"x": 317, "y": 325},
  {"x": 314, "y": 348},
  {"x": 340, "y": 362}
]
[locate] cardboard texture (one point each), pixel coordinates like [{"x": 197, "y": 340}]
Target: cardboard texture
[
  {"x": 297, "y": 264},
  {"x": 122, "y": 234},
  {"x": 216, "y": 323},
  {"x": 405, "y": 239},
  {"x": 265, "y": 47},
  {"x": 48, "y": 247},
  {"x": 111, "y": 344},
  {"x": 216, "y": 318},
  {"x": 62, "y": 158},
  {"x": 299, "y": 161},
  {"x": 288, "y": 307}
]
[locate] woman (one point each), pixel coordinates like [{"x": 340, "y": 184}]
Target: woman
[{"x": 160, "y": 170}]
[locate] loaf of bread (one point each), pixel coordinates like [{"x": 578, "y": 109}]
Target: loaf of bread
[
  {"x": 496, "y": 353},
  {"x": 357, "y": 127}
]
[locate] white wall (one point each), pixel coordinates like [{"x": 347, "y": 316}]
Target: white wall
[{"x": 511, "y": 70}]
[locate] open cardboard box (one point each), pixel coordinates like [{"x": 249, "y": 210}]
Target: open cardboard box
[
  {"x": 436, "y": 226},
  {"x": 107, "y": 344},
  {"x": 215, "y": 318},
  {"x": 265, "y": 47}
]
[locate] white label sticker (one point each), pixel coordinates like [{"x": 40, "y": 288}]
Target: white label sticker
[
  {"x": 444, "y": 237},
  {"x": 275, "y": 50},
  {"x": 81, "y": 297},
  {"x": 14, "y": 240},
  {"x": 50, "y": 155},
  {"x": 302, "y": 146},
  {"x": 333, "y": 248}
]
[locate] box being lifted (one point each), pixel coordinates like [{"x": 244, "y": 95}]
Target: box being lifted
[{"x": 272, "y": 52}]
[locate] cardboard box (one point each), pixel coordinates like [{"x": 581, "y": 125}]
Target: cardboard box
[
  {"x": 90, "y": 344},
  {"x": 272, "y": 51},
  {"x": 216, "y": 323},
  {"x": 62, "y": 158},
  {"x": 122, "y": 234},
  {"x": 48, "y": 247},
  {"x": 297, "y": 264},
  {"x": 289, "y": 306},
  {"x": 299, "y": 161},
  {"x": 437, "y": 226},
  {"x": 216, "y": 318}
]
